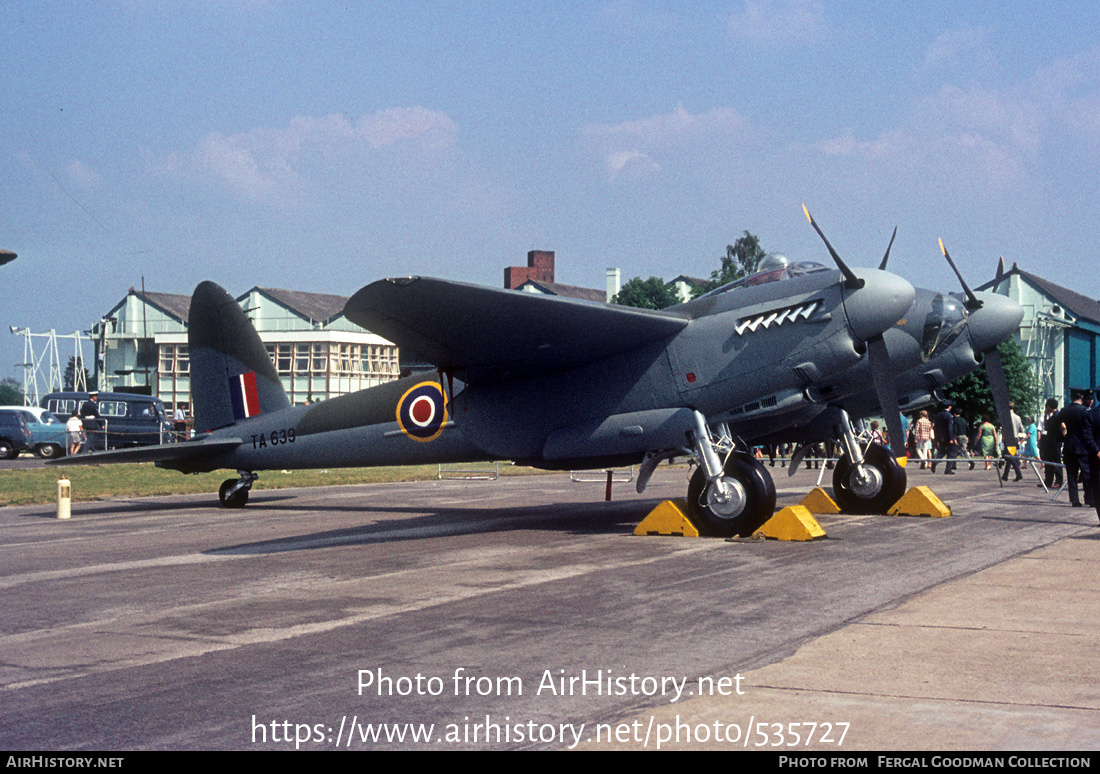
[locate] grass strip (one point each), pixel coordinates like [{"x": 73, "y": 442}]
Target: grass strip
[{"x": 37, "y": 486}]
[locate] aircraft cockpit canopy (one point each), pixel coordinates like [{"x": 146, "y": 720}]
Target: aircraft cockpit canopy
[
  {"x": 773, "y": 268},
  {"x": 945, "y": 321}
]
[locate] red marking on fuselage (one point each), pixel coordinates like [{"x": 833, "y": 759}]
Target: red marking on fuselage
[{"x": 422, "y": 410}]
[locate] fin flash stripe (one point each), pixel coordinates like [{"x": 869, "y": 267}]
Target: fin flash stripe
[
  {"x": 422, "y": 412},
  {"x": 245, "y": 397}
]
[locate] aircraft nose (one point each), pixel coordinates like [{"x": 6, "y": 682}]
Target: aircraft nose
[
  {"x": 882, "y": 301},
  {"x": 997, "y": 319}
]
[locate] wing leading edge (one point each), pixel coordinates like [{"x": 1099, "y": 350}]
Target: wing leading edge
[{"x": 501, "y": 333}]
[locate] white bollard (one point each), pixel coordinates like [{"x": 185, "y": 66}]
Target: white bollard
[{"x": 64, "y": 498}]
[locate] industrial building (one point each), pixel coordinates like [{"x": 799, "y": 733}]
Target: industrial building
[{"x": 1059, "y": 335}]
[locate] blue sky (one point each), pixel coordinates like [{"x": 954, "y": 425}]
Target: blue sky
[{"x": 320, "y": 145}]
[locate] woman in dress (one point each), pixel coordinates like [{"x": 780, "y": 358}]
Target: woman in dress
[
  {"x": 1031, "y": 447},
  {"x": 987, "y": 440}
]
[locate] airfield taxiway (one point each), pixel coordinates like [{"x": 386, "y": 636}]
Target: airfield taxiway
[{"x": 522, "y": 608}]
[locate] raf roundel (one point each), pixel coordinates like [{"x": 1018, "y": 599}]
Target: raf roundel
[{"x": 422, "y": 412}]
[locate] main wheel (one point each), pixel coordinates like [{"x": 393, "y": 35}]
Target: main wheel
[
  {"x": 878, "y": 486},
  {"x": 750, "y": 504},
  {"x": 7, "y": 451},
  {"x": 237, "y": 499}
]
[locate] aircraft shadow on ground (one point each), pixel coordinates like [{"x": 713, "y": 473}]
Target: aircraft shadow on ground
[{"x": 570, "y": 518}]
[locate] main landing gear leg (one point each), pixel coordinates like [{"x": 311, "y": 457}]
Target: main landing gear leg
[
  {"x": 734, "y": 498},
  {"x": 864, "y": 481},
  {"x": 234, "y": 494}
]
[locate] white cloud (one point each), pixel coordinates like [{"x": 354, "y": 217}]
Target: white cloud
[
  {"x": 265, "y": 163},
  {"x": 617, "y": 161},
  {"x": 963, "y": 46},
  {"x": 1069, "y": 93},
  {"x": 637, "y": 144},
  {"x": 886, "y": 145},
  {"x": 82, "y": 175},
  {"x": 989, "y": 138},
  {"x": 780, "y": 22},
  {"x": 666, "y": 127}
]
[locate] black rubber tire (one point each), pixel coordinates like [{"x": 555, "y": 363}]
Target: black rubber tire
[
  {"x": 891, "y": 490},
  {"x": 759, "y": 505},
  {"x": 7, "y": 450},
  {"x": 49, "y": 451},
  {"x": 239, "y": 498}
]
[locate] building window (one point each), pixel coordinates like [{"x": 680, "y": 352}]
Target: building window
[
  {"x": 280, "y": 355},
  {"x": 175, "y": 359},
  {"x": 320, "y": 358},
  {"x": 283, "y": 361}
]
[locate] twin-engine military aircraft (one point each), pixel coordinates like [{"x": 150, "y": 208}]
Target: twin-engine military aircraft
[{"x": 560, "y": 384}]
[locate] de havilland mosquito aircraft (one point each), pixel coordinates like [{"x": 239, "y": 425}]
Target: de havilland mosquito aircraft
[{"x": 549, "y": 382}]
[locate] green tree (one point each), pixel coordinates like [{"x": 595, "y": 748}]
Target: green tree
[
  {"x": 11, "y": 392},
  {"x": 742, "y": 258},
  {"x": 653, "y": 293},
  {"x": 69, "y": 379},
  {"x": 972, "y": 392}
]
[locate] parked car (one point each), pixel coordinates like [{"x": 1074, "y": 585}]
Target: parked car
[
  {"x": 15, "y": 436},
  {"x": 115, "y": 419},
  {"x": 48, "y": 438}
]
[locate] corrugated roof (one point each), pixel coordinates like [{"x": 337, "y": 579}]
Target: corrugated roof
[
  {"x": 319, "y": 307},
  {"x": 175, "y": 305},
  {"x": 568, "y": 291},
  {"x": 1073, "y": 302}
]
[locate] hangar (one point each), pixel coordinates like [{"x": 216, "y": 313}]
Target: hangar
[{"x": 1059, "y": 335}]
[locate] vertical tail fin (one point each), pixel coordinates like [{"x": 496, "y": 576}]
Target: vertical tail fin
[{"x": 232, "y": 376}]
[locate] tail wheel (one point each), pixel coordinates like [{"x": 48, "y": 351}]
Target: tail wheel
[
  {"x": 875, "y": 488},
  {"x": 235, "y": 500},
  {"x": 750, "y": 503}
]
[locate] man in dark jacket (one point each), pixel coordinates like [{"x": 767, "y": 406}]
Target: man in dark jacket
[
  {"x": 962, "y": 433},
  {"x": 1050, "y": 445},
  {"x": 1077, "y": 450},
  {"x": 943, "y": 428},
  {"x": 1092, "y": 481}
]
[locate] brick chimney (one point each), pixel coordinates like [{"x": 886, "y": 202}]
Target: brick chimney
[{"x": 540, "y": 267}]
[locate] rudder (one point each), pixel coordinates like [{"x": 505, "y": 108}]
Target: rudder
[{"x": 232, "y": 376}]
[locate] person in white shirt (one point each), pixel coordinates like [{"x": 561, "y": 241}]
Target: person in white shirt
[{"x": 75, "y": 428}]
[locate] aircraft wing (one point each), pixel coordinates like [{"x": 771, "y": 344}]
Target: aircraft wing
[
  {"x": 166, "y": 452},
  {"x": 501, "y": 333}
]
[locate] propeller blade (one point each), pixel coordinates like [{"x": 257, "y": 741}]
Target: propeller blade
[
  {"x": 998, "y": 385},
  {"x": 972, "y": 301},
  {"x": 1000, "y": 269},
  {"x": 879, "y": 357},
  {"x": 851, "y": 280},
  {"x": 885, "y": 258}
]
